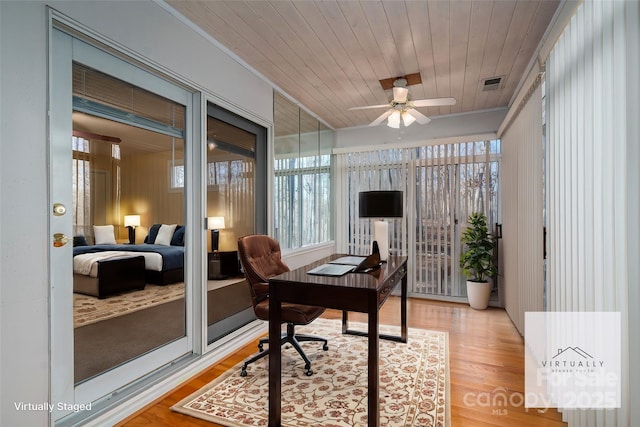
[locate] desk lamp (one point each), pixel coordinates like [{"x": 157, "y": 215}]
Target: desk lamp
[{"x": 381, "y": 204}]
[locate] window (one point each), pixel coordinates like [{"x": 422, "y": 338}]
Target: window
[
  {"x": 302, "y": 181},
  {"x": 177, "y": 175},
  {"x": 81, "y": 177}
]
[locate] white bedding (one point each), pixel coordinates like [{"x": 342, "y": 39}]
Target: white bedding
[{"x": 87, "y": 264}]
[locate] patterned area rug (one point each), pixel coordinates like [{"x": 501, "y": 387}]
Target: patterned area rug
[
  {"x": 88, "y": 309},
  {"x": 414, "y": 384}
]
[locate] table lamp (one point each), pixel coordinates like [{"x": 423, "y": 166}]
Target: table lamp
[
  {"x": 381, "y": 204},
  {"x": 215, "y": 224},
  {"x": 131, "y": 222}
]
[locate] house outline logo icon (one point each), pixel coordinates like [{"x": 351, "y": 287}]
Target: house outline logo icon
[
  {"x": 571, "y": 359},
  {"x": 574, "y": 350}
]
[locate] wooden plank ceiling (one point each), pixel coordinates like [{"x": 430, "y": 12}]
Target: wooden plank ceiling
[{"x": 333, "y": 55}]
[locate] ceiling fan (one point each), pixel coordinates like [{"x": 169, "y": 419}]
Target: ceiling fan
[{"x": 402, "y": 107}]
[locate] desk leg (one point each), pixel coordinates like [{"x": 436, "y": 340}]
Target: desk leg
[
  {"x": 403, "y": 318},
  {"x": 275, "y": 361},
  {"x": 403, "y": 309},
  {"x": 373, "y": 362},
  {"x": 345, "y": 322}
]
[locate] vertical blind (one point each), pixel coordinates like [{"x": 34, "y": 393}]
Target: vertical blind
[
  {"x": 442, "y": 184},
  {"x": 522, "y": 208},
  {"x": 587, "y": 176}
]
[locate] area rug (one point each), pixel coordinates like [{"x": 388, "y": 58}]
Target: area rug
[
  {"x": 88, "y": 309},
  {"x": 414, "y": 384}
]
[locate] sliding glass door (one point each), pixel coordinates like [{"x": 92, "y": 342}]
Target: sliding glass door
[
  {"x": 118, "y": 308},
  {"x": 451, "y": 182}
]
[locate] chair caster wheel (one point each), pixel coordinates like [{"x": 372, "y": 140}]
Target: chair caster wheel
[
  {"x": 243, "y": 372},
  {"x": 260, "y": 347},
  {"x": 308, "y": 372},
  {"x": 325, "y": 347}
]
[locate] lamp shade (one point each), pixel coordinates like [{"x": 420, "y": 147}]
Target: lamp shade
[
  {"x": 215, "y": 222},
  {"x": 132, "y": 220},
  {"x": 394, "y": 120},
  {"x": 380, "y": 204},
  {"x": 407, "y": 118}
]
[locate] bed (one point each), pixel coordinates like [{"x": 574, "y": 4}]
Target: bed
[
  {"x": 164, "y": 263},
  {"x": 113, "y": 274}
]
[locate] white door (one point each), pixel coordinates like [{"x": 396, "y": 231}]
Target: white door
[{"x": 68, "y": 52}]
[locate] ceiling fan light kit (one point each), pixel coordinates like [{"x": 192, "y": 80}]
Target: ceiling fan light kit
[
  {"x": 402, "y": 107},
  {"x": 393, "y": 121},
  {"x": 407, "y": 118}
]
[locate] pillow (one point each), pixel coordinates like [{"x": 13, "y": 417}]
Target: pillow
[
  {"x": 153, "y": 233},
  {"x": 178, "y": 236},
  {"x": 104, "y": 235},
  {"x": 79, "y": 241},
  {"x": 165, "y": 233}
]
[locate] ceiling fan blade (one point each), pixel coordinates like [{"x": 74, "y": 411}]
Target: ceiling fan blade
[
  {"x": 381, "y": 118},
  {"x": 420, "y": 118},
  {"x": 370, "y": 106},
  {"x": 433, "y": 102}
]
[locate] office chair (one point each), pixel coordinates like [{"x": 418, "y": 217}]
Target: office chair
[{"x": 261, "y": 259}]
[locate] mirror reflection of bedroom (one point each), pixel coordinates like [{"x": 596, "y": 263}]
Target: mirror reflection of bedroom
[
  {"x": 230, "y": 214},
  {"x": 128, "y": 209},
  {"x": 129, "y": 222},
  {"x": 128, "y": 294},
  {"x": 128, "y": 216}
]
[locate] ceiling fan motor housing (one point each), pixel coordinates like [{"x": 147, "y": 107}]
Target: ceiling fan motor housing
[{"x": 401, "y": 82}]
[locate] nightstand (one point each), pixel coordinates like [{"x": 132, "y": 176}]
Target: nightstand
[{"x": 222, "y": 265}]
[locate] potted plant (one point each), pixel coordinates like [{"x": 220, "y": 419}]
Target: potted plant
[{"x": 477, "y": 261}]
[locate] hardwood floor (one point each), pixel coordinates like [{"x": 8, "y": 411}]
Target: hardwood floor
[{"x": 486, "y": 356}]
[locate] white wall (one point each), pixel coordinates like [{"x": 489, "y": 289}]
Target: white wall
[
  {"x": 24, "y": 329},
  {"x": 151, "y": 31},
  {"x": 455, "y": 125},
  {"x": 144, "y": 28}
]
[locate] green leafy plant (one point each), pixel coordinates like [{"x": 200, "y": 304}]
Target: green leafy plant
[{"x": 476, "y": 259}]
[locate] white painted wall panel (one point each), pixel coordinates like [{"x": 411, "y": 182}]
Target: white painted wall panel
[
  {"x": 146, "y": 28},
  {"x": 24, "y": 363}
]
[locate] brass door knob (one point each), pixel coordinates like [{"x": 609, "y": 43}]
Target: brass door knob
[
  {"x": 59, "y": 240},
  {"x": 59, "y": 209}
]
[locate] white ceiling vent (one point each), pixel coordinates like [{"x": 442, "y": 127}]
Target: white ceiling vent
[{"x": 492, "y": 83}]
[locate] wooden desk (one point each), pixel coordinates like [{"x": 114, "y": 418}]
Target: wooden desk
[{"x": 360, "y": 292}]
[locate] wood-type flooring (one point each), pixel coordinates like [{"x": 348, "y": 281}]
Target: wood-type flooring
[{"x": 486, "y": 356}]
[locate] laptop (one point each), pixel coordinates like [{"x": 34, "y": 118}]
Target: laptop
[{"x": 344, "y": 265}]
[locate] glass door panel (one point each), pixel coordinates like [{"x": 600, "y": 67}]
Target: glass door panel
[
  {"x": 232, "y": 160},
  {"x": 451, "y": 182},
  {"x": 116, "y": 171}
]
